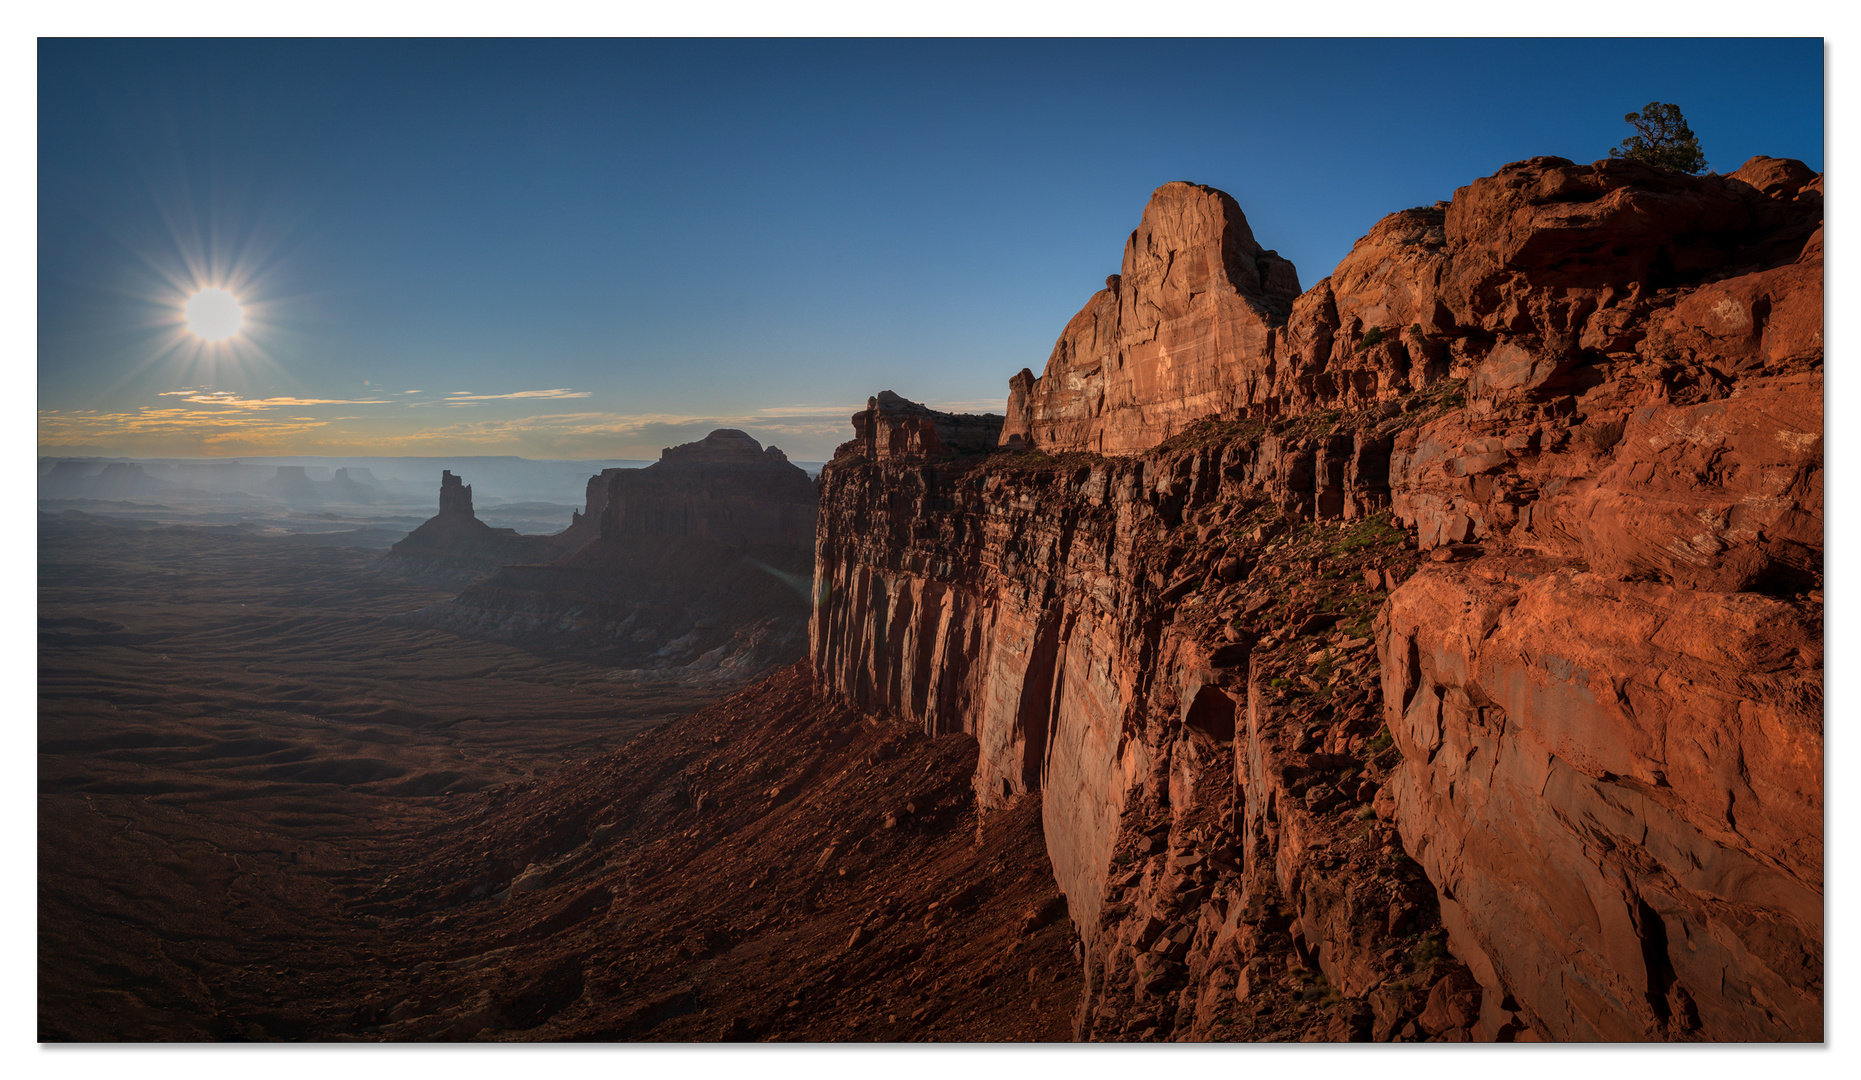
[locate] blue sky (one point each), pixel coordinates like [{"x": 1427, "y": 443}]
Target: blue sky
[{"x": 596, "y": 249}]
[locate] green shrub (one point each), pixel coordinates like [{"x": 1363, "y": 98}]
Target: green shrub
[
  {"x": 1430, "y": 949},
  {"x": 1374, "y": 531}
]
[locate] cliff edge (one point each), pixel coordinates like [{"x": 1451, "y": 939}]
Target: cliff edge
[{"x": 1435, "y": 654}]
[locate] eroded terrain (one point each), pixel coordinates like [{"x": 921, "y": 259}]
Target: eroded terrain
[{"x": 232, "y": 730}]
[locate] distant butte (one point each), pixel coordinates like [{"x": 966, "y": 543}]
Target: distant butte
[
  {"x": 695, "y": 566},
  {"x": 454, "y": 548}
]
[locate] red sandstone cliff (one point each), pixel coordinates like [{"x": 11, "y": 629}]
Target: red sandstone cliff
[
  {"x": 1471, "y": 596},
  {"x": 695, "y": 566},
  {"x": 1185, "y": 329}
]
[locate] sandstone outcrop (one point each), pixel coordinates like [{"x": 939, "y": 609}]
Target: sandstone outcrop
[
  {"x": 693, "y": 567},
  {"x": 1616, "y": 787},
  {"x": 893, "y": 428},
  {"x": 1438, "y": 654},
  {"x": 1184, "y": 330},
  {"x": 1105, "y": 629},
  {"x": 292, "y": 483},
  {"x": 723, "y": 489},
  {"x": 1522, "y": 283}
]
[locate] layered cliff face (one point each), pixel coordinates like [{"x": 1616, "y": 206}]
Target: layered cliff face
[
  {"x": 1484, "y": 611},
  {"x": 1107, "y": 630},
  {"x": 454, "y": 548},
  {"x": 693, "y": 567}
]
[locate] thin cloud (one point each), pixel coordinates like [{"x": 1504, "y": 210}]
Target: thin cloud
[
  {"x": 230, "y": 400},
  {"x": 152, "y": 428},
  {"x": 461, "y": 396}
]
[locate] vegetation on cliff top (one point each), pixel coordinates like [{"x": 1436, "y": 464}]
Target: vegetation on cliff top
[{"x": 1663, "y": 139}]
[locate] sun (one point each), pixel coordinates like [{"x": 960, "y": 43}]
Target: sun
[{"x": 214, "y": 314}]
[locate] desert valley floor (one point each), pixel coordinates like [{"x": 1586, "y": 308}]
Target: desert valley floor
[
  {"x": 269, "y": 810},
  {"x": 232, "y": 728}
]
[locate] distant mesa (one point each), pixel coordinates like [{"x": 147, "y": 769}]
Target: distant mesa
[
  {"x": 725, "y": 488},
  {"x": 293, "y": 485},
  {"x": 301, "y": 485},
  {"x": 101, "y": 480},
  {"x": 120, "y": 480},
  {"x": 699, "y": 565},
  {"x": 69, "y": 480},
  {"x": 355, "y": 485}
]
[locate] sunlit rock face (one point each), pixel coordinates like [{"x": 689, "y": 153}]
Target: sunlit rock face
[
  {"x": 1472, "y": 596},
  {"x": 1616, "y": 787},
  {"x": 1184, "y": 330}
]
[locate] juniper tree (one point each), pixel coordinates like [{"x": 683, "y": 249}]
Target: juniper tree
[{"x": 1662, "y": 138}]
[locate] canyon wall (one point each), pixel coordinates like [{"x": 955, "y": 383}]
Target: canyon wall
[
  {"x": 1438, "y": 652},
  {"x": 694, "y": 567}
]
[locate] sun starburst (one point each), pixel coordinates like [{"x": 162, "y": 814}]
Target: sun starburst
[{"x": 214, "y": 314}]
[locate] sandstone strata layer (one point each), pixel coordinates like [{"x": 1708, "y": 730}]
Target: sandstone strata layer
[{"x": 1582, "y": 744}]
